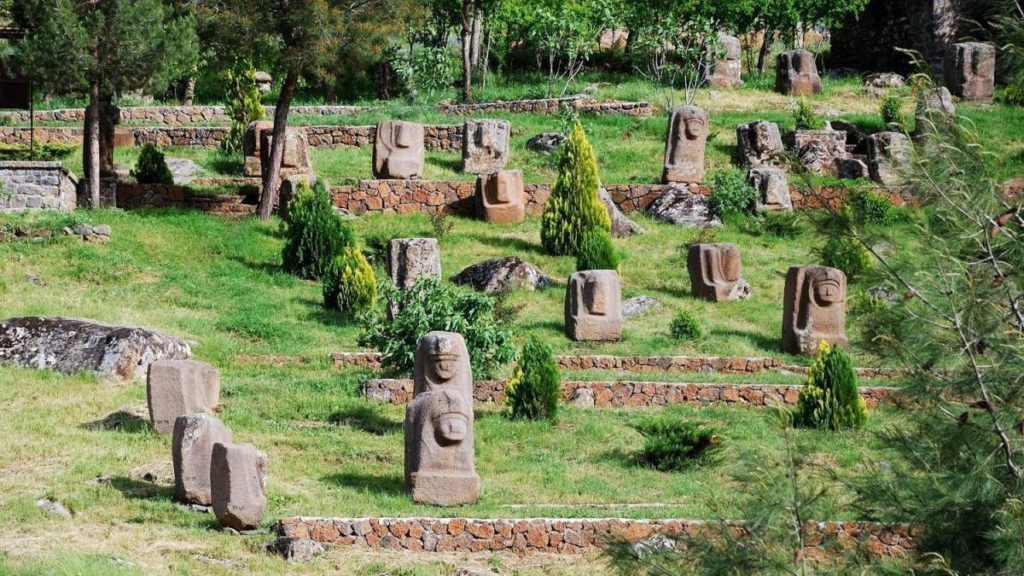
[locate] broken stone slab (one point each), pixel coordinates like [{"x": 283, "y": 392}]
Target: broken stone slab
[
  {"x": 192, "y": 451},
  {"x": 796, "y": 74},
  {"x": 410, "y": 259},
  {"x": 501, "y": 274},
  {"x": 485, "y": 145},
  {"x": 772, "y": 188},
  {"x": 759, "y": 143},
  {"x": 295, "y": 549},
  {"x": 622, "y": 226},
  {"x": 178, "y": 387},
  {"x": 238, "y": 483},
  {"x": 889, "y": 153},
  {"x": 677, "y": 205},
  {"x": 183, "y": 170},
  {"x": 546, "y": 142},
  {"x": 877, "y": 85},
  {"x": 639, "y": 305},
  {"x": 74, "y": 346}
]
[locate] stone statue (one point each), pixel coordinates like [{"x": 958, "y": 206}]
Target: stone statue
[
  {"x": 398, "y": 151},
  {"x": 796, "y": 74},
  {"x": 716, "y": 272},
  {"x": 251, "y": 141},
  {"x": 772, "y": 188},
  {"x": 485, "y": 146},
  {"x": 593, "y": 306},
  {"x": 759, "y": 143},
  {"x": 970, "y": 69},
  {"x": 684, "y": 147},
  {"x": 439, "y": 464},
  {"x": 295, "y": 157},
  {"x": 500, "y": 197},
  {"x": 814, "y": 309},
  {"x": 410, "y": 259},
  {"x": 728, "y": 66}
]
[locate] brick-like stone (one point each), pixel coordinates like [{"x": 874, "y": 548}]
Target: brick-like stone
[
  {"x": 191, "y": 452},
  {"x": 238, "y": 482},
  {"x": 178, "y": 387}
]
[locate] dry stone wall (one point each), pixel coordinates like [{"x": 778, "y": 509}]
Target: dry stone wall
[
  {"x": 37, "y": 186},
  {"x": 567, "y": 536},
  {"x": 621, "y": 394},
  {"x": 580, "y": 104},
  {"x": 173, "y": 115}
]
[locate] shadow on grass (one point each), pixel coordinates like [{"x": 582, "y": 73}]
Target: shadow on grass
[
  {"x": 387, "y": 485},
  {"x": 121, "y": 421},
  {"x": 140, "y": 490},
  {"x": 227, "y": 165},
  {"x": 618, "y": 458},
  {"x": 550, "y": 325},
  {"x": 455, "y": 165},
  {"x": 509, "y": 244},
  {"x": 367, "y": 418},
  {"x": 268, "y": 268},
  {"x": 770, "y": 344}
]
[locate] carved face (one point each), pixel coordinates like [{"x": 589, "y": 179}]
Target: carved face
[
  {"x": 730, "y": 263},
  {"x": 804, "y": 64},
  {"x": 596, "y": 296},
  {"x": 404, "y": 137},
  {"x": 444, "y": 359},
  {"x": 826, "y": 287},
  {"x": 500, "y": 190},
  {"x": 693, "y": 126},
  {"x": 484, "y": 136}
]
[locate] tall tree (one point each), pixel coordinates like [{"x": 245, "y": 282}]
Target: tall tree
[{"x": 102, "y": 48}]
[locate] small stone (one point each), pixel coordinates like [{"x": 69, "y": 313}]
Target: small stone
[
  {"x": 679, "y": 206},
  {"x": 295, "y": 549},
  {"x": 52, "y": 507},
  {"x": 546, "y": 143},
  {"x": 582, "y": 398},
  {"x": 639, "y": 305},
  {"x": 101, "y": 230}
]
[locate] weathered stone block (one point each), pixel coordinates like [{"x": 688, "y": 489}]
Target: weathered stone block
[
  {"x": 772, "y": 188},
  {"x": 192, "y": 451},
  {"x": 398, "y": 151},
  {"x": 178, "y": 387},
  {"x": 726, "y": 72},
  {"x": 888, "y": 154},
  {"x": 238, "y": 484},
  {"x": 819, "y": 150},
  {"x": 684, "y": 146},
  {"x": 796, "y": 74},
  {"x": 814, "y": 309},
  {"x": 716, "y": 272},
  {"x": 410, "y": 259},
  {"x": 252, "y": 140},
  {"x": 759, "y": 143},
  {"x": 501, "y": 197},
  {"x": 485, "y": 146},
  {"x": 971, "y": 70},
  {"x": 593, "y": 306}
]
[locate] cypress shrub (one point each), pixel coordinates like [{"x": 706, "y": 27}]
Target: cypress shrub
[
  {"x": 597, "y": 252},
  {"x": 536, "y": 386},
  {"x": 574, "y": 207},
  {"x": 350, "y": 285},
  {"x": 831, "y": 399},
  {"x": 151, "y": 167},
  {"x": 314, "y": 234},
  {"x": 676, "y": 446},
  {"x": 244, "y": 107},
  {"x": 686, "y": 326}
]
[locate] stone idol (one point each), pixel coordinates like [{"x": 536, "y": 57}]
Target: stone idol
[
  {"x": 716, "y": 272},
  {"x": 684, "y": 147},
  {"x": 439, "y": 460},
  {"x": 485, "y": 146},
  {"x": 500, "y": 197},
  {"x": 593, "y": 306},
  {"x": 814, "y": 309},
  {"x": 796, "y": 74},
  {"x": 398, "y": 151}
]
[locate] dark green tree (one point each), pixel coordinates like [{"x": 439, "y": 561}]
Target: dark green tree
[{"x": 536, "y": 386}]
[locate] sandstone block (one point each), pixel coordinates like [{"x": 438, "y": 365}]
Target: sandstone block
[
  {"x": 192, "y": 452},
  {"x": 593, "y": 306},
  {"x": 970, "y": 69},
  {"x": 716, "y": 272},
  {"x": 410, "y": 259},
  {"x": 684, "y": 146},
  {"x": 398, "y": 151},
  {"x": 814, "y": 309},
  {"x": 772, "y": 188},
  {"x": 238, "y": 483},
  {"x": 500, "y": 197},
  {"x": 796, "y": 74},
  {"x": 759, "y": 143},
  {"x": 178, "y": 387},
  {"x": 485, "y": 146}
]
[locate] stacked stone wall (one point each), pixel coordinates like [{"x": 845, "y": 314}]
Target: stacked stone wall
[
  {"x": 552, "y": 106},
  {"x": 37, "y": 186}
]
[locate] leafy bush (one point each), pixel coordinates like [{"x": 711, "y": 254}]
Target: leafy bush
[
  {"x": 350, "y": 285},
  {"x": 731, "y": 193},
  {"x": 424, "y": 71},
  {"x": 431, "y": 305},
  {"x": 677, "y": 446},
  {"x": 848, "y": 255},
  {"x": 243, "y": 106},
  {"x": 685, "y": 326},
  {"x": 536, "y": 386},
  {"x": 806, "y": 118},
  {"x": 442, "y": 224},
  {"x": 831, "y": 399},
  {"x": 574, "y": 207},
  {"x": 597, "y": 252},
  {"x": 871, "y": 208},
  {"x": 1013, "y": 94},
  {"x": 313, "y": 234},
  {"x": 892, "y": 113},
  {"x": 774, "y": 223},
  {"x": 151, "y": 168},
  {"x": 50, "y": 152}
]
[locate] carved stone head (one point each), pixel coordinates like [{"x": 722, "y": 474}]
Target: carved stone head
[
  {"x": 442, "y": 362},
  {"x": 593, "y": 308},
  {"x": 398, "y": 151},
  {"x": 684, "y": 148}
]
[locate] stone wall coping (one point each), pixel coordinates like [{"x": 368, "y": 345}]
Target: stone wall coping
[{"x": 38, "y": 165}]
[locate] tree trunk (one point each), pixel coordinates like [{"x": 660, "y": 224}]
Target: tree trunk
[
  {"x": 91, "y": 150},
  {"x": 478, "y": 38},
  {"x": 798, "y": 36},
  {"x": 190, "y": 91},
  {"x": 109, "y": 118},
  {"x": 268, "y": 196},
  {"x": 467, "y": 50},
  {"x": 766, "y": 48}
]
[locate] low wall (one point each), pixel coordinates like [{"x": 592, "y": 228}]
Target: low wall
[
  {"x": 569, "y": 536},
  {"x": 580, "y": 104},
  {"x": 37, "y": 186},
  {"x": 174, "y": 115},
  {"x": 130, "y": 196},
  {"x": 621, "y": 394}
]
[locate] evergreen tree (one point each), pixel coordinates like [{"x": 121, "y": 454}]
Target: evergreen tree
[
  {"x": 574, "y": 208},
  {"x": 243, "y": 106},
  {"x": 535, "y": 387},
  {"x": 831, "y": 398}
]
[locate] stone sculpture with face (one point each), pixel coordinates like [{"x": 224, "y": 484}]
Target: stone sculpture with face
[
  {"x": 485, "y": 146},
  {"x": 500, "y": 197},
  {"x": 716, "y": 272},
  {"x": 593, "y": 307},
  {"x": 814, "y": 309},
  {"x": 439, "y": 460},
  {"x": 684, "y": 147},
  {"x": 398, "y": 151}
]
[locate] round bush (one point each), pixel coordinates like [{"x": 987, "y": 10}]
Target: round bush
[
  {"x": 151, "y": 167},
  {"x": 848, "y": 255},
  {"x": 685, "y": 326},
  {"x": 731, "y": 193},
  {"x": 314, "y": 235},
  {"x": 350, "y": 285},
  {"x": 597, "y": 252},
  {"x": 536, "y": 386}
]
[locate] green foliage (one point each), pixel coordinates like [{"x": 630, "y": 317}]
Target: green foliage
[
  {"x": 731, "y": 193},
  {"x": 831, "y": 399},
  {"x": 871, "y": 208},
  {"x": 891, "y": 109},
  {"x": 779, "y": 224},
  {"x": 706, "y": 235},
  {"x": 806, "y": 118},
  {"x": 49, "y": 152},
  {"x": 574, "y": 208},
  {"x": 350, "y": 285},
  {"x": 596, "y": 252},
  {"x": 535, "y": 387},
  {"x": 1013, "y": 94},
  {"x": 424, "y": 71},
  {"x": 243, "y": 106},
  {"x": 151, "y": 167},
  {"x": 313, "y": 234},
  {"x": 442, "y": 224},
  {"x": 432, "y": 305},
  {"x": 686, "y": 326},
  {"x": 673, "y": 445},
  {"x": 848, "y": 255}
]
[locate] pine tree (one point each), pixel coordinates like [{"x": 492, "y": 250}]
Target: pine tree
[
  {"x": 831, "y": 398},
  {"x": 536, "y": 386},
  {"x": 574, "y": 208}
]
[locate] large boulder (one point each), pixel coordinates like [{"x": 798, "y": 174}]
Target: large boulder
[
  {"x": 622, "y": 227},
  {"x": 677, "y": 205},
  {"x": 500, "y": 274},
  {"x": 74, "y": 346}
]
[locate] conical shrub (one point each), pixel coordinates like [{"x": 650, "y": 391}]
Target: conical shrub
[
  {"x": 831, "y": 398},
  {"x": 536, "y": 386},
  {"x": 350, "y": 285},
  {"x": 574, "y": 208}
]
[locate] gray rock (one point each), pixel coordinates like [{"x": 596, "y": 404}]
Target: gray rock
[
  {"x": 622, "y": 227},
  {"x": 877, "y": 85},
  {"x": 475, "y": 572},
  {"x": 410, "y": 259},
  {"x": 679, "y": 206},
  {"x": 546, "y": 142},
  {"x": 889, "y": 153},
  {"x": 639, "y": 306},
  {"x": 582, "y": 398},
  {"x": 83, "y": 230},
  {"x": 500, "y": 274},
  {"x": 101, "y": 230},
  {"x": 295, "y": 549},
  {"x": 759, "y": 143},
  {"x": 55, "y": 508},
  {"x": 183, "y": 170},
  {"x": 74, "y": 346}
]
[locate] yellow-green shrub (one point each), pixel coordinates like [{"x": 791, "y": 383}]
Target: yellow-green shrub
[
  {"x": 350, "y": 285},
  {"x": 574, "y": 207}
]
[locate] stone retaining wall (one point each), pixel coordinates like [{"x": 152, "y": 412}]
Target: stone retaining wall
[
  {"x": 568, "y": 536},
  {"x": 174, "y": 115},
  {"x": 633, "y": 394},
  {"x": 37, "y": 186},
  {"x": 580, "y": 104}
]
